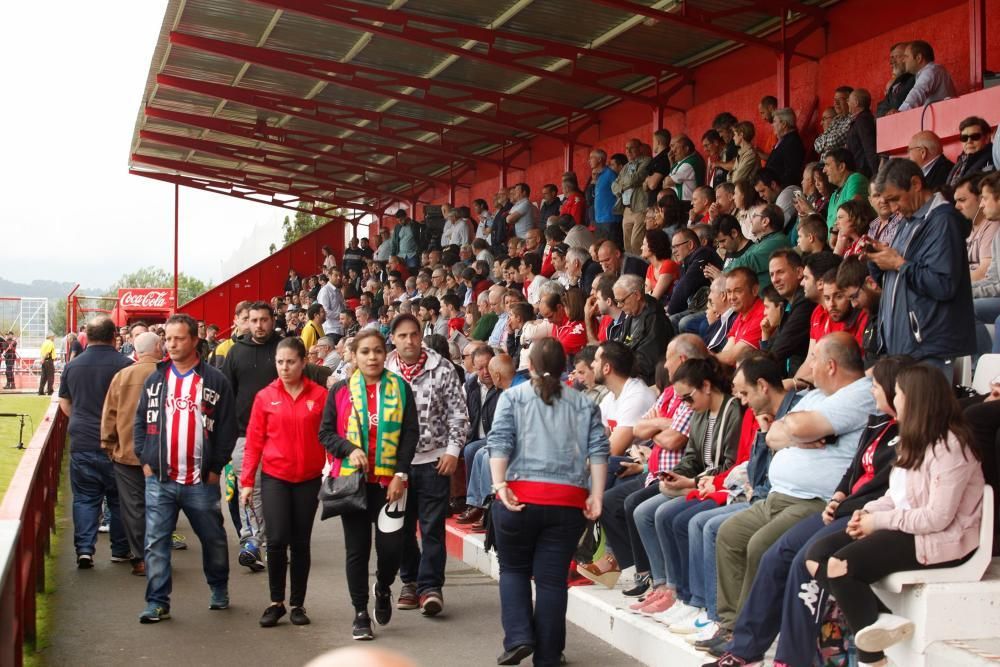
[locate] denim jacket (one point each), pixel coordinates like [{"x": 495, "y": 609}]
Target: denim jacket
[{"x": 547, "y": 443}]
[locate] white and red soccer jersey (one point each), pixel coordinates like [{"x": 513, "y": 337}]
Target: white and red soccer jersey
[{"x": 184, "y": 434}]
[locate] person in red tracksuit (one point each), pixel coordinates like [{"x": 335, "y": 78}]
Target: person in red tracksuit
[{"x": 283, "y": 436}]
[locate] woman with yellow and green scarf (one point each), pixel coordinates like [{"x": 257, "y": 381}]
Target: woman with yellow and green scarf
[{"x": 370, "y": 424}]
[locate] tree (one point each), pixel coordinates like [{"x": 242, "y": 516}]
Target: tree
[
  {"x": 57, "y": 316},
  {"x": 303, "y": 223},
  {"x": 188, "y": 287}
]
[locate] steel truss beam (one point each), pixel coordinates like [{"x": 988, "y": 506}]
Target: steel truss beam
[
  {"x": 387, "y": 84},
  {"x": 339, "y": 116},
  {"x": 400, "y": 25},
  {"x": 270, "y": 159},
  {"x": 295, "y": 139},
  {"x": 238, "y": 191},
  {"x": 258, "y": 182}
]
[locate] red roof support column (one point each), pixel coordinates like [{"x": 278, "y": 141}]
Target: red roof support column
[
  {"x": 784, "y": 59},
  {"x": 977, "y": 42}
]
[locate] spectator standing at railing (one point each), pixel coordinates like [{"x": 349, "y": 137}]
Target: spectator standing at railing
[
  {"x": 899, "y": 86},
  {"x": 85, "y": 382},
  {"x": 10, "y": 357},
  {"x": 405, "y": 240},
  {"x": 932, "y": 82}
]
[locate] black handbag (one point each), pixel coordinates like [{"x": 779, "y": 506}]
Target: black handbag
[{"x": 342, "y": 495}]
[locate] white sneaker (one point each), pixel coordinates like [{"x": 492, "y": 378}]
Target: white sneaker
[
  {"x": 678, "y": 612},
  {"x": 685, "y": 624},
  {"x": 707, "y": 632},
  {"x": 889, "y": 629}
]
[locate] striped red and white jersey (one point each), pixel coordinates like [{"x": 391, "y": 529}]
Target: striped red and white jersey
[{"x": 184, "y": 434}]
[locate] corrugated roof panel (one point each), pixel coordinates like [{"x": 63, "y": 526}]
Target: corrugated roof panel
[
  {"x": 179, "y": 100},
  {"x": 200, "y": 65},
  {"x": 566, "y": 20},
  {"x": 478, "y": 12},
  {"x": 231, "y": 20},
  {"x": 276, "y": 81},
  {"x": 297, "y": 33},
  {"x": 394, "y": 55}
]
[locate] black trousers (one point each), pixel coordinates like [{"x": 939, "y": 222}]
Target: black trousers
[
  {"x": 868, "y": 560},
  {"x": 358, "y": 540},
  {"x": 984, "y": 419},
  {"x": 131, "y": 485},
  {"x": 48, "y": 377},
  {"x": 289, "y": 511},
  {"x": 10, "y": 374}
]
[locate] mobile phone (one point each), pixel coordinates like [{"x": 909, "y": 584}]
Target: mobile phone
[
  {"x": 667, "y": 475},
  {"x": 797, "y": 194},
  {"x": 870, "y": 248}
]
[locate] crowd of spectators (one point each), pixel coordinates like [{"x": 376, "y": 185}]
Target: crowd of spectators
[{"x": 744, "y": 318}]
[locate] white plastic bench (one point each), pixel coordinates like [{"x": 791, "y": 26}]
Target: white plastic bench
[
  {"x": 947, "y": 603},
  {"x": 971, "y": 570}
]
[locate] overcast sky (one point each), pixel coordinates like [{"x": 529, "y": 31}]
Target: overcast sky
[{"x": 73, "y": 75}]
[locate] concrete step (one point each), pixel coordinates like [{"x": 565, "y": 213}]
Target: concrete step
[
  {"x": 602, "y": 612},
  {"x": 967, "y": 653}
]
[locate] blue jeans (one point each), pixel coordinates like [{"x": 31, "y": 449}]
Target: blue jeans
[
  {"x": 202, "y": 505},
  {"x": 614, "y": 465},
  {"x": 696, "y": 324},
  {"x": 92, "y": 479},
  {"x": 426, "y": 504},
  {"x": 469, "y": 455},
  {"x": 702, "y": 531},
  {"x": 672, "y": 530},
  {"x": 537, "y": 542},
  {"x": 987, "y": 311},
  {"x": 479, "y": 484},
  {"x": 645, "y": 522}
]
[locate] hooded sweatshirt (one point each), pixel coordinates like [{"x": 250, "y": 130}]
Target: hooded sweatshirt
[{"x": 249, "y": 367}]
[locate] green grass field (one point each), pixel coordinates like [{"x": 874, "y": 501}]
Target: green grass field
[{"x": 35, "y": 406}]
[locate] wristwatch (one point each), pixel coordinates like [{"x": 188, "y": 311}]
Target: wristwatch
[
  {"x": 496, "y": 487},
  {"x": 403, "y": 476}
]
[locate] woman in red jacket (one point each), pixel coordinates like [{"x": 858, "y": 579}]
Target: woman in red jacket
[{"x": 283, "y": 436}]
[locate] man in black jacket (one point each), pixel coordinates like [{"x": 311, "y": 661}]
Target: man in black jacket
[
  {"x": 185, "y": 417},
  {"x": 693, "y": 258},
  {"x": 789, "y": 344},
  {"x": 481, "y": 396},
  {"x": 788, "y": 157},
  {"x": 861, "y": 134},
  {"x": 925, "y": 149},
  {"x": 249, "y": 367},
  {"x": 901, "y": 83},
  {"x": 647, "y": 330}
]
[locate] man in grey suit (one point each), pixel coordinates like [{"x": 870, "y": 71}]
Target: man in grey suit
[{"x": 628, "y": 186}]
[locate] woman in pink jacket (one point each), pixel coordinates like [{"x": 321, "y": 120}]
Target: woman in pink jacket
[{"x": 928, "y": 518}]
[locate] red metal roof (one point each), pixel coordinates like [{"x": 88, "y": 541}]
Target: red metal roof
[{"x": 359, "y": 104}]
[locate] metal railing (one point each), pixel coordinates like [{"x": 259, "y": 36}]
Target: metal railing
[{"x": 27, "y": 519}]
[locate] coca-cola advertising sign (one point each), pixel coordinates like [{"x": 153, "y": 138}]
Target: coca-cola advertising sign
[{"x": 146, "y": 299}]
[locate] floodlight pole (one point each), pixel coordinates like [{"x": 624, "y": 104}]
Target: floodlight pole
[{"x": 177, "y": 197}]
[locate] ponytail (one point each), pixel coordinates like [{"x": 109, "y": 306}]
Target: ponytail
[{"x": 547, "y": 363}]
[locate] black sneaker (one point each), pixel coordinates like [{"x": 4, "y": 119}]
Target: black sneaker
[
  {"x": 84, "y": 561},
  {"x": 717, "y": 645},
  {"x": 272, "y": 615},
  {"x": 298, "y": 616},
  {"x": 362, "y": 630},
  {"x": 383, "y": 604},
  {"x": 639, "y": 587}
]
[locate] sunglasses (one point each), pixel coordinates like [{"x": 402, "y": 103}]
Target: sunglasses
[
  {"x": 689, "y": 398},
  {"x": 975, "y": 136}
]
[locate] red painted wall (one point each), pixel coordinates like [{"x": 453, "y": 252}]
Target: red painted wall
[
  {"x": 853, "y": 51},
  {"x": 266, "y": 278}
]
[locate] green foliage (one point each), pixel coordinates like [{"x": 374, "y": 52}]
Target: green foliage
[
  {"x": 150, "y": 276},
  {"x": 57, "y": 316},
  {"x": 303, "y": 223}
]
